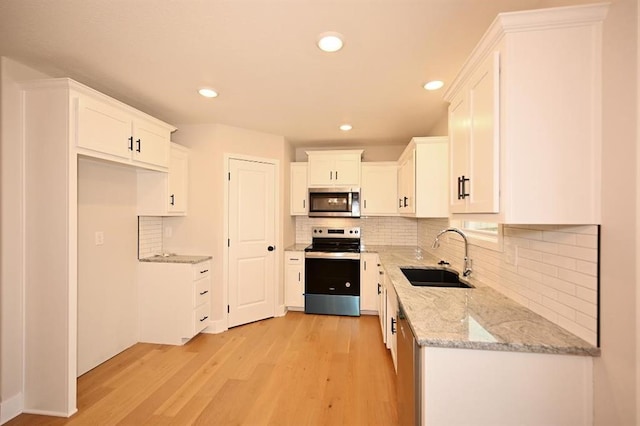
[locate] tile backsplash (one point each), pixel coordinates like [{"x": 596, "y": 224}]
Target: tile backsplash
[
  {"x": 391, "y": 231},
  {"x": 551, "y": 269},
  {"x": 149, "y": 236}
]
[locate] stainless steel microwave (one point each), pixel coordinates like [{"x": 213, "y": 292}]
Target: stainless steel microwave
[{"x": 334, "y": 202}]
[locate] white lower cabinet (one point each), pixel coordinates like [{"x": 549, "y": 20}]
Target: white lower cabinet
[
  {"x": 174, "y": 300},
  {"x": 369, "y": 282},
  {"x": 382, "y": 303},
  {"x": 392, "y": 324},
  {"x": 507, "y": 388},
  {"x": 294, "y": 280}
]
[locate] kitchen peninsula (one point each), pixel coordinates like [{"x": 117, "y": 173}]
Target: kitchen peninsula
[{"x": 495, "y": 359}]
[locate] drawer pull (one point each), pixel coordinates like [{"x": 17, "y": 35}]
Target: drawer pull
[
  {"x": 204, "y": 292},
  {"x": 205, "y": 271},
  {"x": 293, "y": 258},
  {"x": 204, "y": 318}
]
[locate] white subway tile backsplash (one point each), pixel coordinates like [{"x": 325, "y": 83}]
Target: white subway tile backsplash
[
  {"x": 552, "y": 269},
  {"x": 149, "y": 236},
  {"x": 392, "y": 231}
]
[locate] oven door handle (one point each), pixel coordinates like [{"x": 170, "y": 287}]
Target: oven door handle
[{"x": 331, "y": 255}]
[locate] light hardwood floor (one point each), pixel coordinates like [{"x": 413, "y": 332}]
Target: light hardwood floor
[{"x": 295, "y": 370}]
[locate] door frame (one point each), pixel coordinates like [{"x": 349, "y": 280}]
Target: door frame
[{"x": 278, "y": 308}]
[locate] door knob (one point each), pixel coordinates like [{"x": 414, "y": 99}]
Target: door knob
[{"x": 271, "y": 248}]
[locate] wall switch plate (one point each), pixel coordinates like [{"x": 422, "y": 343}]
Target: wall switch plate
[{"x": 99, "y": 237}]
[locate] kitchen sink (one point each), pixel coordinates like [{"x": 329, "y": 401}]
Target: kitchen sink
[{"x": 434, "y": 277}]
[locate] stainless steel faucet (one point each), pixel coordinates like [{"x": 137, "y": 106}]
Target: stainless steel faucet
[{"x": 467, "y": 262}]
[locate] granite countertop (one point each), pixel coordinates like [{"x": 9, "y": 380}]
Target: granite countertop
[
  {"x": 477, "y": 318},
  {"x": 175, "y": 258}
]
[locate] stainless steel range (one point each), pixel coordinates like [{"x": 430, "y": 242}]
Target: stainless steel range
[{"x": 332, "y": 272}]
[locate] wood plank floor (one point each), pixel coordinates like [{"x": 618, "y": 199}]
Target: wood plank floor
[{"x": 295, "y": 370}]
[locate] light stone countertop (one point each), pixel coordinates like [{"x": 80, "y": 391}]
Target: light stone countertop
[
  {"x": 175, "y": 258},
  {"x": 478, "y": 318},
  {"x": 297, "y": 247}
]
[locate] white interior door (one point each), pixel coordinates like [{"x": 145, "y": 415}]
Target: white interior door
[{"x": 251, "y": 235}]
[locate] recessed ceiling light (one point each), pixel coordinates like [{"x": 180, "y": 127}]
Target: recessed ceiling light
[
  {"x": 208, "y": 93},
  {"x": 346, "y": 127},
  {"x": 434, "y": 85},
  {"x": 330, "y": 41}
]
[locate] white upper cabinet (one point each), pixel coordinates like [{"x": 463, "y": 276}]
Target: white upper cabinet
[
  {"x": 379, "y": 189},
  {"x": 334, "y": 168},
  {"x": 111, "y": 130},
  {"x": 299, "y": 192},
  {"x": 165, "y": 194},
  {"x": 423, "y": 170},
  {"x": 525, "y": 119}
]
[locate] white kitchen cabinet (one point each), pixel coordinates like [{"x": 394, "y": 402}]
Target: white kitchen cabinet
[
  {"x": 165, "y": 194},
  {"x": 111, "y": 130},
  {"x": 299, "y": 192},
  {"x": 423, "y": 172},
  {"x": 379, "y": 189},
  {"x": 525, "y": 120},
  {"x": 294, "y": 280},
  {"x": 174, "y": 299},
  {"x": 369, "y": 282},
  {"x": 392, "y": 324},
  {"x": 334, "y": 168},
  {"x": 474, "y": 142},
  {"x": 382, "y": 303}
]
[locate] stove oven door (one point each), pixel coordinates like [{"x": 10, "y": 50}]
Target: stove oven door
[{"x": 332, "y": 283}]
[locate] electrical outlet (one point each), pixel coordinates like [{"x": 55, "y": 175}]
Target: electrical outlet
[{"x": 99, "y": 237}]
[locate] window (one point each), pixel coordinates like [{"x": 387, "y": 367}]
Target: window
[{"x": 483, "y": 234}]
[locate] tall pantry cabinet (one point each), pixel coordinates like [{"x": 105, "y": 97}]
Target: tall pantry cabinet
[{"x": 57, "y": 128}]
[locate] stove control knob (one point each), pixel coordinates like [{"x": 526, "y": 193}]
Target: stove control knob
[{"x": 347, "y": 284}]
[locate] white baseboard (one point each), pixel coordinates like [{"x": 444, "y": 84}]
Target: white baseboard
[
  {"x": 280, "y": 311},
  {"x": 216, "y": 327},
  {"x": 11, "y": 408},
  {"x": 50, "y": 413}
]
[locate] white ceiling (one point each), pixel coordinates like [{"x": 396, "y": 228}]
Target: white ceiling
[{"x": 262, "y": 58}]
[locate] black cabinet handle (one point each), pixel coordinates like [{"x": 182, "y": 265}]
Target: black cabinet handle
[
  {"x": 173, "y": 200},
  {"x": 330, "y": 175},
  {"x": 304, "y": 204},
  {"x": 271, "y": 248},
  {"x": 336, "y": 175},
  {"x": 399, "y": 203},
  {"x": 379, "y": 288},
  {"x": 462, "y": 187},
  {"x": 204, "y": 271},
  {"x": 405, "y": 201},
  {"x": 299, "y": 277},
  {"x": 131, "y": 143},
  {"x": 393, "y": 325},
  {"x": 365, "y": 204},
  {"x": 202, "y": 319},
  {"x": 204, "y": 292},
  {"x": 139, "y": 143}
]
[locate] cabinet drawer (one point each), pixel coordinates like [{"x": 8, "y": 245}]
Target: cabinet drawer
[
  {"x": 201, "y": 270},
  {"x": 201, "y": 317},
  {"x": 296, "y": 258},
  {"x": 202, "y": 291}
]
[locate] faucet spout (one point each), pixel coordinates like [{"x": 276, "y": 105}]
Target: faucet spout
[{"x": 467, "y": 262}]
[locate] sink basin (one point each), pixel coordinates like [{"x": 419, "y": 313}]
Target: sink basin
[{"x": 433, "y": 277}]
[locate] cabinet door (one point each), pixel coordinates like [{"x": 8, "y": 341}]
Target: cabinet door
[
  {"x": 347, "y": 170},
  {"x": 103, "y": 127},
  {"x": 150, "y": 143},
  {"x": 369, "y": 282},
  {"x": 484, "y": 138},
  {"x": 299, "y": 190},
  {"x": 294, "y": 279},
  {"x": 392, "y": 325},
  {"x": 407, "y": 183},
  {"x": 379, "y": 189},
  {"x": 459, "y": 149},
  {"x": 382, "y": 304},
  {"x": 321, "y": 170},
  {"x": 178, "y": 180}
]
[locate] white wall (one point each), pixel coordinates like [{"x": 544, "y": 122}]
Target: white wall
[
  {"x": 107, "y": 286},
  {"x": 12, "y": 235},
  {"x": 202, "y": 231}
]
